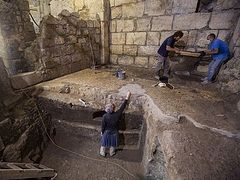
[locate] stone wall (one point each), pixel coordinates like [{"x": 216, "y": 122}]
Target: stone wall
[
  {"x": 66, "y": 45},
  {"x": 139, "y": 27},
  {"x": 17, "y": 33}
]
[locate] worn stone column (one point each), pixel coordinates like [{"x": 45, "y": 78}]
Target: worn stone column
[{"x": 105, "y": 32}]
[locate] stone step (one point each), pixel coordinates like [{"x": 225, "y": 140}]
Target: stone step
[{"x": 129, "y": 139}]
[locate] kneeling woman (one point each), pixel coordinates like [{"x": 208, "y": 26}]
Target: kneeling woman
[{"x": 109, "y": 129}]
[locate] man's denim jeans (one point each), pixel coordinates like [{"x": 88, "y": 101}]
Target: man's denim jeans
[{"x": 213, "y": 68}]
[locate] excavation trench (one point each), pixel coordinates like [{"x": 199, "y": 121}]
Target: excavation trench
[{"x": 78, "y": 132}]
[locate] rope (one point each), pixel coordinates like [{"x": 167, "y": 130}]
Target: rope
[{"x": 75, "y": 153}]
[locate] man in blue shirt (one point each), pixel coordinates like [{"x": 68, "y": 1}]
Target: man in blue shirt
[
  {"x": 163, "y": 65},
  {"x": 219, "y": 51}
]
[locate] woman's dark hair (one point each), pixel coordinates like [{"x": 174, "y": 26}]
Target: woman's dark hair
[
  {"x": 212, "y": 35},
  {"x": 178, "y": 34}
]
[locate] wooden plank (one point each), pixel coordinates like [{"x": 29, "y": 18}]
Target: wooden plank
[
  {"x": 190, "y": 53},
  {"x": 30, "y": 166}
]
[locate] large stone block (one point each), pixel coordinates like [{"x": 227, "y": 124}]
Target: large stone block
[
  {"x": 235, "y": 41},
  {"x": 192, "y": 38},
  {"x": 133, "y": 10},
  {"x": 162, "y": 23},
  {"x": 138, "y": 38},
  {"x": 153, "y": 38},
  {"x": 147, "y": 50},
  {"x": 116, "y": 49},
  {"x": 157, "y": 7},
  {"x": 114, "y": 59},
  {"x": 152, "y": 61},
  {"x": 225, "y": 35},
  {"x": 228, "y": 4},
  {"x": 141, "y": 61},
  {"x": 112, "y": 3},
  {"x": 130, "y": 50},
  {"x": 113, "y": 26},
  {"x": 223, "y": 20},
  {"x": 118, "y": 38},
  {"x": 144, "y": 24},
  {"x": 184, "y": 6},
  {"x": 202, "y": 38},
  {"x": 125, "y": 60},
  {"x": 165, "y": 35},
  {"x": 191, "y": 21},
  {"x": 120, "y": 2},
  {"x": 116, "y": 12},
  {"x": 125, "y": 25}
]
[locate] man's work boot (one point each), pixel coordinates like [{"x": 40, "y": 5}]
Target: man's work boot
[
  {"x": 102, "y": 151},
  {"x": 112, "y": 151}
]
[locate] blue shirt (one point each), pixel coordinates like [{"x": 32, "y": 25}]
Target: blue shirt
[
  {"x": 223, "y": 50},
  {"x": 170, "y": 41}
]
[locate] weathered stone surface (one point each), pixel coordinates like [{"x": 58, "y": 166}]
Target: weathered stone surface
[
  {"x": 59, "y": 40},
  {"x": 162, "y": 23},
  {"x": 112, "y": 3},
  {"x": 138, "y": 38},
  {"x": 113, "y": 26},
  {"x": 228, "y": 4},
  {"x": 130, "y": 50},
  {"x": 192, "y": 38},
  {"x": 120, "y": 2},
  {"x": 125, "y": 60},
  {"x": 147, "y": 50},
  {"x": 144, "y": 24},
  {"x": 116, "y": 12},
  {"x": 141, "y": 61},
  {"x": 191, "y": 21},
  {"x": 157, "y": 7},
  {"x": 125, "y": 25},
  {"x": 224, "y": 35},
  {"x": 153, "y": 38},
  {"x": 184, "y": 6},
  {"x": 223, "y": 20},
  {"x": 2, "y": 146},
  {"x": 6, "y": 130},
  {"x": 133, "y": 10},
  {"x": 114, "y": 59},
  {"x": 152, "y": 61},
  {"x": 202, "y": 38},
  {"x": 165, "y": 35},
  {"x": 116, "y": 49},
  {"x": 235, "y": 41},
  {"x": 118, "y": 38}
]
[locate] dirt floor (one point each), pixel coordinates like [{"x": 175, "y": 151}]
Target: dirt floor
[{"x": 203, "y": 145}]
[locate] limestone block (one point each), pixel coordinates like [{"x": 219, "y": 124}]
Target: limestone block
[
  {"x": 114, "y": 59},
  {"x": 153, "y": 38},
  {"x": 24, "y": 5},
  {"x": 202, "y": 38},
  {"x": 66, "y": 59},
  {"x": 112, "y": 3},
  {"x": 157, "y": 7},
  {"x": 152, "y": 61},
  {"x": 113, "y": 26},
  {"x": 223, "y": 20},
  {"x": 141, "y": 61},
  {"x": 235, "y": 41},
  {"x": 125, "y": 60},
  {"x": 118, "y": 38},
  {"x": 184, "y": 6},
  {"x": 191, "y": 21},
  {"x": 225, "y": 35},
  {"x": 138, "y": 38},
  {"x": 130, "y": 50},
  {"x": 162, "y": 23},
  {"x": 116, "y": 49},
  {"x": 116, "y": 12},
  {"x": 237, "y": 52},
  {"x": 147, "y": 50},
  {"x": 143, "y": 24},
  {"x": 125, "y": 25},
  {"x": 133, "y": 10},
  {"x": 120, "y": 2},
  {"x": 192, "y": 38},
  {"x": 228, "y": 4},
  {"x": 24, "y": 80},
  {"x": 59, "y": 40}
]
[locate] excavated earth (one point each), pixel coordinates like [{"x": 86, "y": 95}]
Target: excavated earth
[{"x": 190, "y": 132}]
